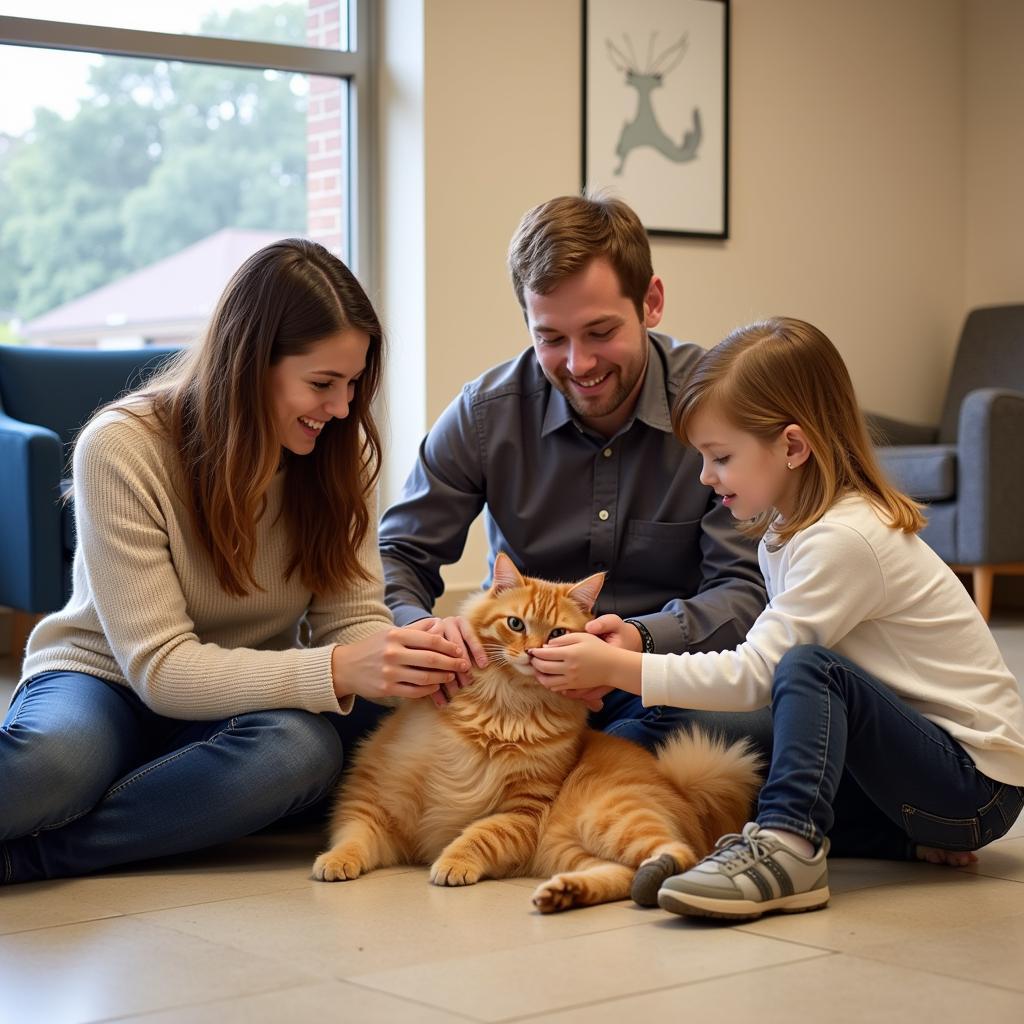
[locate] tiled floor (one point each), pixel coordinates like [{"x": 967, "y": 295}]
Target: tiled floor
[{"x": 241, "y": 934}]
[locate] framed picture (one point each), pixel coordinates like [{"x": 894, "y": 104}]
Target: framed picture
[{"x": 656, "y": 110}]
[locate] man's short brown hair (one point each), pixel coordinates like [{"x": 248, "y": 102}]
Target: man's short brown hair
[{"x": 560, "y": 237}]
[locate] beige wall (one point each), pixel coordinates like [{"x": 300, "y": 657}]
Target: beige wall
[
  {"x": 847, "y": 184},
  {"x": 852, "y": 204},
  {"x": 994, "y": 149},
  {"x": 502, "y": 128}
]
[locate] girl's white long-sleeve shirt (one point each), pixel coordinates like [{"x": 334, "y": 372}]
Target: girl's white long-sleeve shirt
[
  {"x": 887, "y": 602},
  {"x": 147, "y": 610}
]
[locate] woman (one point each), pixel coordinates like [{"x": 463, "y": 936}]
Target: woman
[{"x": 221, "y": 513}]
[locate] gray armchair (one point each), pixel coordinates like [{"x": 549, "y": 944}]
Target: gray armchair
[{"x": 970, "y": 469}]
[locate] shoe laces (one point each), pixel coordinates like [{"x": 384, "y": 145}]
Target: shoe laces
[{"x": 746, "y": 845}]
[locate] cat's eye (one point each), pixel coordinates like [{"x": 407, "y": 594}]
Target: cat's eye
[
  {"x": 517, "y": 624},
  {"x": 558, "y": 631}
]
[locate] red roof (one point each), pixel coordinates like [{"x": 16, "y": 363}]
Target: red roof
[{"x": 170, "y": 299}]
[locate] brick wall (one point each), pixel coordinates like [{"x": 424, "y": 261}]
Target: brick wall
[{"x": 326, "y": 170}]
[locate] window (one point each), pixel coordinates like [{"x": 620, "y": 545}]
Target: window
[
  {"x": 144, "y": 166},
  {"x": 256, "y": 20}
]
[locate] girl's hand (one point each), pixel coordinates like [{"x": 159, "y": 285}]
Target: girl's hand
[
  {"x": 580, "y": 661},
  {"x": 398, "y": 662}
]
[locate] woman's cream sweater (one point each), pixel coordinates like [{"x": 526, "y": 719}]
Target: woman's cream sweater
[{"x": 147, "y": 611}]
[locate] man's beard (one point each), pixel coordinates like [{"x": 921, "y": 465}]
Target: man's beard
[{"x": 608, "y": 405}]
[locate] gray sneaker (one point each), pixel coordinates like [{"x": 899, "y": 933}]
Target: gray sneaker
[{"x": 746, "y": 876}]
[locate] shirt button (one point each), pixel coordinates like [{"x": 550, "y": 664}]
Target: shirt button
[
  {"x": 603, "y": 515},
  {"x": 607, "y": 453},
  {"x": 600, "y": 566}
]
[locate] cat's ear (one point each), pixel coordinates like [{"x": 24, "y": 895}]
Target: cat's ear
[
  {"x": 585, "y": 592},
  {"x": 506, "y": 575}
]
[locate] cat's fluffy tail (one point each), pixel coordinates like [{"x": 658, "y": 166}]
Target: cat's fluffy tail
[{"x": 720, "y": 780}]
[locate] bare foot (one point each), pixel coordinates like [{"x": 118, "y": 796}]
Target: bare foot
[{"x": 952, "y": 858}]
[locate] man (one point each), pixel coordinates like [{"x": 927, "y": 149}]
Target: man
[{"x": 569, "y": 450}]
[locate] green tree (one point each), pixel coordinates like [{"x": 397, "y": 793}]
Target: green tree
[{"x": 159, "y": 155}]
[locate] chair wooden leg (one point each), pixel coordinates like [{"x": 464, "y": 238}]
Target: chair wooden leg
[
  {"x": 982, "y": 577},
  {"x": 22, "y": 624}
]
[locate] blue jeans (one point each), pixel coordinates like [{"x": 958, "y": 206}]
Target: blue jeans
[
  {"x": 624, "y": 715},
  {"x": 91, "y": 778},
  {"x": 853, "y": 762}
]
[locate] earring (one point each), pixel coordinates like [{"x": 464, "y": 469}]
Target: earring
[{"x": 789, "y": 465}]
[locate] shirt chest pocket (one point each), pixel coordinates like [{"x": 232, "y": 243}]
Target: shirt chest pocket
[{"x": 663, "y": 554}]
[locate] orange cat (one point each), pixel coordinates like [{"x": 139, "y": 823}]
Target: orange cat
[{"x": 508, "y": 780}]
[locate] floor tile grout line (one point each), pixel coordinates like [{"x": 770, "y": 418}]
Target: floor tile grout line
[
  {"x": 797, "y": 942},
  {"x": 63, "y": 924},
  {"x": 860, "y": 955},
  {"x": 353, "y": 979},
  {"x": 201, "y": 1003},
  {"x": 310, "y": 978},
  {"x": 1001, "y": 878},
  {"x": 803, "y": 944},
  {"x": 532, "y": 943},
  {"x": 413, "y": 1002},
  {"x": 824, "y": 953},
  {"x": 151, "y": 910},
  {"x": 220, "y": 899},
  {"x": 902, "y": 882},
  {"x": 204, "y": 1003}
]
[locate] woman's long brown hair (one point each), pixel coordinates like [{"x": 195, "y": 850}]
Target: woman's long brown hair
[
  {"x": 214, "y": 404},
  {"x": 769, "y": 374}
]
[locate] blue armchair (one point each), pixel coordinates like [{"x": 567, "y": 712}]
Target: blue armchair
[
  {"x": 46, "y": 394},
  {"x": 970, "y": 469}
]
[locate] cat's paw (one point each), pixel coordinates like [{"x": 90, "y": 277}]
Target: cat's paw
[
  {"x": 338, "y": 865},
  {"x": 454, "y": 871},
  {"x": 558, "y": 893}
]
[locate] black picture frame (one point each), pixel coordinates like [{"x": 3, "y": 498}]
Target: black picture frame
[{"x": 678, "y": 188}]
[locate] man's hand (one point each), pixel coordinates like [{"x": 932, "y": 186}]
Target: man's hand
[
  {"x": 457, "y": 630},
  {"x": 581, "y": 661},
  {"x": 613, "y": 630},
  {"x": 593, "y": 698}
]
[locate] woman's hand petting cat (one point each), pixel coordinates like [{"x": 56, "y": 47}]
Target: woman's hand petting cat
[
  {"x": 580, "y": 661},
  {"x": 457, "y": 629},
  {"x": 401, "y": 662}
]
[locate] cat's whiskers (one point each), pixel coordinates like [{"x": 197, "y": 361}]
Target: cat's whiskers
[{"x": 496, "y": 653}]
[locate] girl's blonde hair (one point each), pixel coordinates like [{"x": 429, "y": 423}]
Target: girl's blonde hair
[{"x": 775, "y": 372}]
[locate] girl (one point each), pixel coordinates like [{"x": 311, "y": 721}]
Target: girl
[
  {"x": 898, "y": 729},
  {"x": 220, "y": 513}
]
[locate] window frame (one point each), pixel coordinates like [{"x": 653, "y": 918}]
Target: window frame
[{"x": 354, "y": 66}]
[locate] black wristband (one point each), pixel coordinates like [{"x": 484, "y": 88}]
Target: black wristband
[{"x": 645, "y": 635}]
